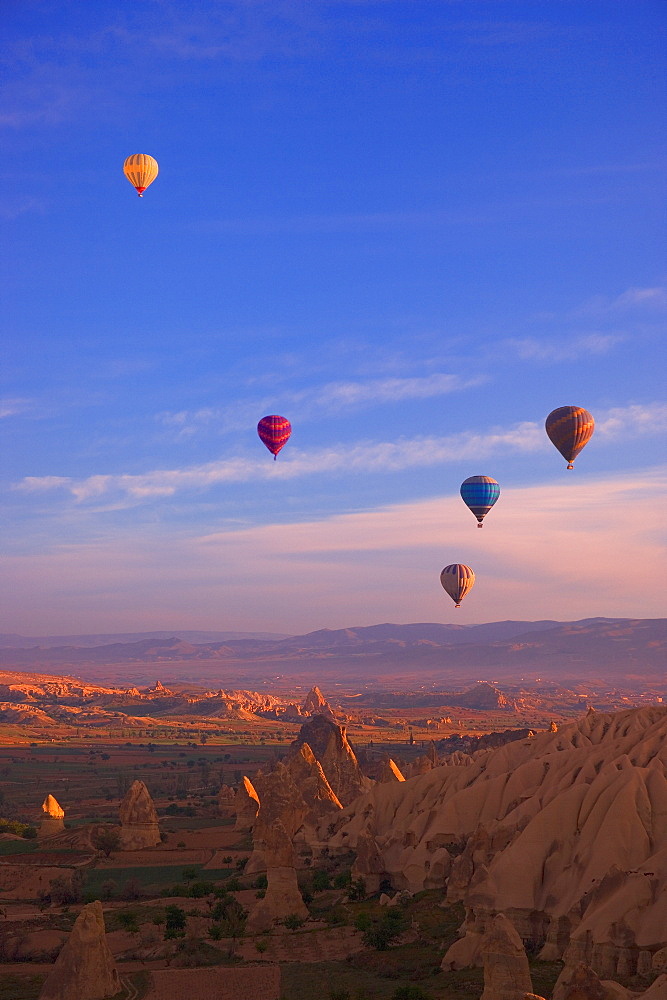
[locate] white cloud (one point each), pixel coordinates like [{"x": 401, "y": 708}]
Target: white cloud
[
  {"x": 364, "y": 457},
  {"x": 330, "y": 398},
  {"x": 648, "y": 299},
  {"x": 11, "y": 407},
  {"x": 633, "y": 421},
  {"x": 563, "y": 349}
]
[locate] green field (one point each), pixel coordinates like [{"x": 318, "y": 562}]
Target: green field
[{"x": 152, "y": 879}]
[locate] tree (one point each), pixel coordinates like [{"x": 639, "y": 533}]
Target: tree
[{"x": 106, "y": 840}]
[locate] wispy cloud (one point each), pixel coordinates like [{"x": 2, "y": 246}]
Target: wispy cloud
[
  {"x": 563, "y": 349},
  {"x": 645, "y": 299},
  {"x": 12, "y": 406},
  {"x": 331, "y": 398},
  {"x": 366, "y": 457}
]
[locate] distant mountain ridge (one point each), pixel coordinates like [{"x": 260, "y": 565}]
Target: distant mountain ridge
[
  {"x": 607, "y": 648},
  {"x": 10, "y": 640}
]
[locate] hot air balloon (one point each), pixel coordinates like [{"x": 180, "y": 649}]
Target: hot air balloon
[
  {"x": 140, "y": 170},
  {"x": 570, "y": 428},
  {"x": 457, "y": 580},
  {"x": 479, "y": 494},
  {"x": 275, "y": 432}
]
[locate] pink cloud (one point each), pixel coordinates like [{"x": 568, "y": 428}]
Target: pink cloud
[{"x": 551, "y": 551}]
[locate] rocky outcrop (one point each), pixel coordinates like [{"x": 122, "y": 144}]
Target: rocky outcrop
[
  {"x": 226, "y": 799},
  {"x": 506, "y": 972},
  {"x": 53, "y": 818},
  {"x": 565, "y": 832},
  {"x": 330, "y": 745},
  {"x": 138, "y": 819},
  {"x": 282, "y": 897},
  {"x": 84, "y": 969},
  {"x": 296, "y": 794},
  {"x": 246, "y": 804},
  {"x": 316, "y": 704},
  {"x": 369, "y": 864},
  {"x": 391, "y": 771}
]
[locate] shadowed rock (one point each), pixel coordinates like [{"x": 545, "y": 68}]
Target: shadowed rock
[
  {"x": 579, "y": 982},
  {"x": 138, "y": 819},
  {"x": 282, "y": 897},
  {"x": 297, "y": 794},
  {"x": 329, "y": 744},
  {"x": 506, "y": 972},
  {"x": 84, "y": 969}
]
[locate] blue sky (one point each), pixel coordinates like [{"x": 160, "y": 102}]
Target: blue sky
[{"x": 413, "y": 228}]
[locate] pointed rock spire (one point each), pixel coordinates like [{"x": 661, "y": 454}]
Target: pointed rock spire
[
  {"x": 85, "y": 968},
  {"x": 391, "y": 771},
  {"x": 53, "y": 816},
  {"x": 138, "y": 819},
  {"x": 506, "y": 972}
]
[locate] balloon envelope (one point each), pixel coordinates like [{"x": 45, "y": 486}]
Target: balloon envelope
[
  {"x": 479, "y": 493},
  {"x": 458, "y": 580},
  {"x": 140, "y": 170},
  {"x": 274, "y": 432},
  {"x": 569, "y": 429}
]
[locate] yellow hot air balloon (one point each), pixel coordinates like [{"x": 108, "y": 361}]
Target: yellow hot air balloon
[{"x": 140, "y": 170}]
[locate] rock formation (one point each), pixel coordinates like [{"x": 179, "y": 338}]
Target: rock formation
[
  {"x": 226, "y": 799},
  {"x": 53, "y": 818},
  {"x": 565, "y": 832},
  {"x": 329, "y": 744},
  {"x": 84, "y": 969},
  {"x": 506, "y": 973},
  {"x": 316, "y": 704},
  {"x": 282, "y": 897},
  {"x": 391, "y": 771},
  {"x": 297, "y": 794},
  {"x": 246, "y": 803},
  {"x": 369, "y": 864},
  {"x": 138, "y": 819}
]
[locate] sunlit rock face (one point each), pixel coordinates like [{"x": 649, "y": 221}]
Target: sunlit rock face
[
  {"x": 565, "y": 832},
  {"x": 246, "y": 804},
  {"x": 391, "y": 771},
  {"x": 84, "y": 969},
  {"x": 316, "y": 704},
  {"x": 53, "y": 818},
  {"x": 138, "y": 819}
]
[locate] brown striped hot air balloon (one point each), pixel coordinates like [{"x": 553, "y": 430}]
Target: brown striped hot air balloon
[
  {"x": 569, "y": 429},
  {"x": 457, "y": 580},
  {"x": 140, "y": 170}
]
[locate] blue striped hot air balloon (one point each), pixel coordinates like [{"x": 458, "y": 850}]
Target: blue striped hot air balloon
[{"x": 479, "y": 493}]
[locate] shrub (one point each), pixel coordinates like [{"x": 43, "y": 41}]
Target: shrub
[
  {"x": 321, "y": 880},
  {"x": 106, "y": 840},
  {"x": 410, "y": 993},
  {"x": 292, "y": 922}
]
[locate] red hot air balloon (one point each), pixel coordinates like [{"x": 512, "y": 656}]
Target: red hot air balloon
[
  {"x": 569, "y": 429},
  {"x": 457, "y": 580},
  {"x": 275, "y": 432}
]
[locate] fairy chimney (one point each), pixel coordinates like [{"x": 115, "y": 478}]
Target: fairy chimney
[
  {"x": 53, "y": 818},
  {"x": 138, "y": 819},
  {"x": 85, "y": 968}
]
